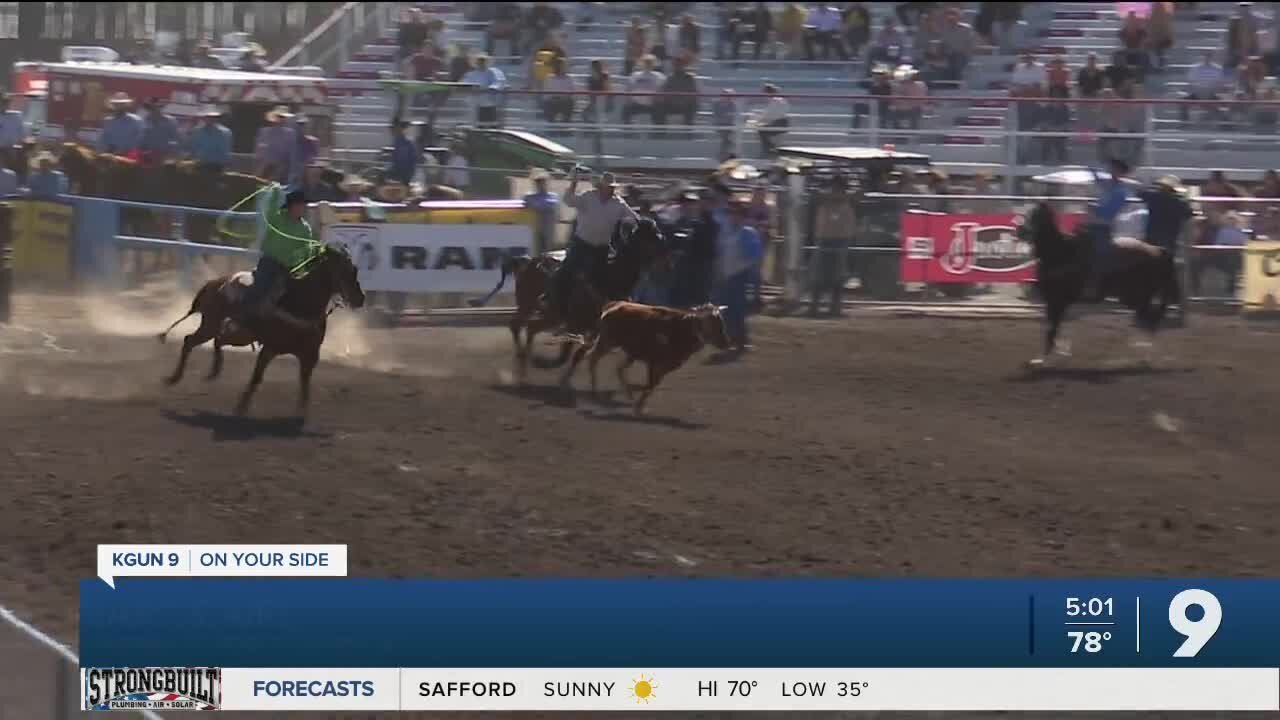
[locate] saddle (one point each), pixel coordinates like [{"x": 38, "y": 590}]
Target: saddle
[{"x": 236, "y": 286}]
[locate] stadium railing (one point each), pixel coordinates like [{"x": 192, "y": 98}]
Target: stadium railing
[
  {"x": 340, "y": 36},
  {"x": 964, "y": 134}
]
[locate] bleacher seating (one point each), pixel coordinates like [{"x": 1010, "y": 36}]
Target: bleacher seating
[{"x": 967, "y": 134}]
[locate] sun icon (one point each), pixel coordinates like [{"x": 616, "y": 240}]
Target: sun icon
[{"x": 643, "y": 688}]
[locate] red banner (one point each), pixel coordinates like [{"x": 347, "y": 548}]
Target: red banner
[{"x": 968, "y": 248}]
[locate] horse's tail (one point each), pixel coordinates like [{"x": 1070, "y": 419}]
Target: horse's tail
[
  {"x": 195, "y": 308},
  {"x": 510, "y": 266}
]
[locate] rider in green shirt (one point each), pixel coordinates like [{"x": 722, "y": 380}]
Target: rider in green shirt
[{"x": 287, "y": 247}]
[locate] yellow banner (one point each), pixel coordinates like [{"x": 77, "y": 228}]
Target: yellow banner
[
  {"x": 42, "y": 240},
  {"x": 1262, "y": 276},
  {"x": 449, "y": 216}
]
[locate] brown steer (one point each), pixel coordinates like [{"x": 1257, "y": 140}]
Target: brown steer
[{"x": 662, "y": 337}]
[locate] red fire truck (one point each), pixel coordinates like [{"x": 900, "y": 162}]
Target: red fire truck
[{"x": 68, "y": 100}]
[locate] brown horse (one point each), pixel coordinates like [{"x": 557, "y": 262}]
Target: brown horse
[
  {"x": 333, "y": 274},
  {"x": 637, "y": 249}
]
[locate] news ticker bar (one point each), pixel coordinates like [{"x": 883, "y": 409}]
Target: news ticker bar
[{"x": 686, "y": 689}]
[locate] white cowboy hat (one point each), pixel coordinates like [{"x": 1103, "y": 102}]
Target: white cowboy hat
[
  {"x": 354, "y": 183},
  {"x": 393, "y": 192},
  {"x": 210, "y": 111},
  {"x": 538, "y": 173},
  {"x": 1171, "y": 182},
  {"x": 41, "y": 157},
  {"x": 119, "y": 98},
  {"x": 278, "y": 113}
]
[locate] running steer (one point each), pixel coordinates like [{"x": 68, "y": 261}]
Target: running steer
[{"x": 663, "y": 338}]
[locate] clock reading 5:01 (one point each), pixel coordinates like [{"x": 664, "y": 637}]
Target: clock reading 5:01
[{"x": 1090, "y": 607}]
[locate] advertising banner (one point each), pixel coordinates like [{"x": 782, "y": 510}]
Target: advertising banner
[{"x": 968, "y": 248}]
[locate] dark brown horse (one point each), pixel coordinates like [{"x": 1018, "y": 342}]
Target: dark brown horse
[
  {"x": 333, "y": 274},
  {"x": 636, "y": 250}
]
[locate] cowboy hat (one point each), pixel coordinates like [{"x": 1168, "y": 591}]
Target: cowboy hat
[
  {"x": 278, "y": 113},
  {"x": 354, "y": 183},
  {"x": 42, "y": 157},
  {"x": 119, "y": 98},
  {"x": 210, "y": 111},
  {"x": 1170, "y": 182},
  {"x": 393, "y": 192},
  {"x": 607, "y": 179},
  {"x": 536, "y": 174}
]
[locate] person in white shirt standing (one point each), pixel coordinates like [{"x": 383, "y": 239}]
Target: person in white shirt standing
[
  {"x": 13, "y": 132},
  {"x": 1206, "y": 80},
  {"x": 646, "y": 81},
  {"x": 600, "y": 211},
  {"x": 493, "y": 82},
  {"x": 772, "y": 120},
  {"x": 824, "y": 29}
]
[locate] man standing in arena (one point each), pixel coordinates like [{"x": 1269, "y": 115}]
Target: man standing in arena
[
  {"x": 599, "y": 213},
  {"x": 121, "y": 132},
  {"x": 1168, "y": 211}
]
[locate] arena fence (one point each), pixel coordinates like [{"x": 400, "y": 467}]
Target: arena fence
[
  {"x": 126, "y": 243},
  {"x": 963, "y": 249}
]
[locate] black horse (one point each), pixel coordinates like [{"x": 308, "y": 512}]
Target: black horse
[
  {"x": 1143, "y": 282},
  {"x": 635, "y": 249}
]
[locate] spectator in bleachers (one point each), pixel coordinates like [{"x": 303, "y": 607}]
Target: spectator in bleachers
[
  {"x": 663, "y": 42},
  {"x": 1089, "y": 82},
  {"x": 724, "y": 115},
  {"x": 504, "y": 26},
  {"x": 1270, "y": 187},
  {"x": 857, "y": 26},
  {"x": 1133, "y": 39},
  {"x": 1217, "y": 186},
  {"x": 887, "y": 47},
  {"x": 404, "y": 155},
  {"x": 959, "y": 40},
  {"x": 1266, "y": 224},
  {"x": 558, "y": 107},
  {"x": 1160, "y": 32},
  {"x": 435, "y": 33},
  {"x": 550, "y": 49},
  {"x": 493, "y": 81},
  {"x": 461, "y": 63},
  {"x": 1091, "y": 78},
  {"x": 1029, "y": 75},
  {"x": 929, "y": 27},
  {"x": 881, "y": 88},
  {"x": 726, "y": 23},
  {"x": 1055, "y": 115},
  {"x": 676, "y": 98},
  {"x": 645, "y": 82},
  {"x": 637, "y": 45},
  {"x": 912, "y": 99},
  {"x": 599, "y": 81},
  {"x": 689, "y": 37},
  {"x": 1206, "y": 80},
  {"x": 756, "y": 25},
  {"x": 1119, "y": 71},
  {"x": 909, "y": 13},
  {"x": 826, "y": 25},
  {"x": 542, "y": 20},
  {"x": 411, "y": 33},
  {"x": 791, "y": 29},
  {"x": 1267, "y": 46},
  {"x": 1008, "y": 16},
  {"x": 772, "y": 120},
  {"x": 1241, "y": 42},
  {"x": 935, "y": 67},
  {"x": 1252, "y": 80},
  {"x": 1029, "y": 82},
  {"x": 424, "y": 63}
]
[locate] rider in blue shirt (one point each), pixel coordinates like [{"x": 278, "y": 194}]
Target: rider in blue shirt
[{"x": 1113, "y": 196}]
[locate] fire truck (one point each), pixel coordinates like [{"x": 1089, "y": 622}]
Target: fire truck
[{"x": 68, "y": 100}]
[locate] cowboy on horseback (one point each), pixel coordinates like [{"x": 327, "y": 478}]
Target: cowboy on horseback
[
  {"x": 287, "y": 249},
  {"x": 1111, "y": 222},
  {"x": 599, "y": 212}
]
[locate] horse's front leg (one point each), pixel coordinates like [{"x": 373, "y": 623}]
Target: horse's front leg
[{"x": 260, "y": 367}]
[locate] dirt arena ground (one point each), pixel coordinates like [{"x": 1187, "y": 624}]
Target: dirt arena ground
[{"x": 873, "y": 445}]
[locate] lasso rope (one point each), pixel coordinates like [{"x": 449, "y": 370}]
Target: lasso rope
[{"x": 317, "y": 246}]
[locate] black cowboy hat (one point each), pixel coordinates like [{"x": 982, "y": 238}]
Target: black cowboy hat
[{"x": 294, "y": 196}]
